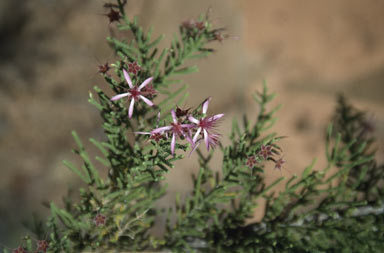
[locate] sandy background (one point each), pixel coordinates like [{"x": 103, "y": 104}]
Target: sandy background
[{"x": 308, "y": 51}]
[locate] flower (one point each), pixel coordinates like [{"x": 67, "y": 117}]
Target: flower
[
  {"x": 188, "y": 24},
  {"x": 251, "y": 161},
  {"x": 218, "y": 36},
  {"x": 99, "y": 219},
  {"x": 134, "y": 93},
  {"x": 133, "y": 68},
  {"x": 104, "y": 68},
  {"x": 279, "y": 163},
  {"x": 200, "y": 25},
  {"x": 42, "y": 246},
  {"x": 154, "y": 136},
  {"x": 148, "y": 91},
  {"x": 113, "y": 16},
  {"x": 177, "y": 130},
  {"x": 181, "y": 112},
  {"x": 265, "y": 151},
  {"x": 19, "y": 250},
  {"x": 205, "y": 126}
]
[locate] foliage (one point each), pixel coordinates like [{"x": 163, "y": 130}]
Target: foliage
[{"x": 336, "y": 209}]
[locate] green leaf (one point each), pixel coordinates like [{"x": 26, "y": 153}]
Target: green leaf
[
  {"x": 155, "y": 42},
  {"x": 70, "y": 166},
  {"x": 99, "y": 146},
  {"x": 186, "y": 70},
  {"x": 235, "y": 129},
  {"x": 308, "y": 169},
  {"x": 172, "y": 96}
]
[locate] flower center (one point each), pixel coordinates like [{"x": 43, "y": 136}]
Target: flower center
[
  {"x": 176, "y": 128},
  {"x": 134, "y": 92},
  {"x": 205, "y": 124}
]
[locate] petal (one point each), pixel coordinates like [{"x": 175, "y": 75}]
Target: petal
[
  {"x": 174, "y": 116},
  {"x": 216, "y": 117},
  {"x": 173, "y": 144},
  {"x": 205, "y": 105},
  {"x": 114, "y": 98},
  {"x": 146, "y": 100},
  {"x": 206, "y": 139},
  {"x": 147, "y": 81},
  {"x": 187, "y": 126},
  {"x": 195, "y": 147},
  {"x": 130, "y": 112},
  {"x": 127, "y": 78},
  {"x": 196, "y": 134},
  {"x": 194, "y": 120},
  {"x": 161, "y": 129},
  {"x": 189, "y": 139},
  {"x": 141, "y": 132}
]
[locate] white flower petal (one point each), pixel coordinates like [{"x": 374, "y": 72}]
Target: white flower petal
[
  {"x": 174, "y": 116},
  {"x": 161, "y": 129},
  {"x": 195, "y": 147},
  {"x": 216, "y": 117},
  {"x": 146, "y": 100},
  {"x": 205, "y": 105},
  {"x": 173, "y": 144},
  {"x": 193, "y": 120},
  {"x": 130, "y": 112},
  {"x": 141, "y": 132},
  {"x": 147, "y": 81},
  {"x": 117, "y": 97},
  {"x": 206, "y": 139},
  {"x": 127, "y": 78},
  {"x": 196, "y": 134}
]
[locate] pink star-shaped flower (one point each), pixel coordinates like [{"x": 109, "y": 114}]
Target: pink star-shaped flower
[
  {"x": 206, "y": 125},
  {"x": 134, "y": 93},
  {"x": 177, "y": 129}
]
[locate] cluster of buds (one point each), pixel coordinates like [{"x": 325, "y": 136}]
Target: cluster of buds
[
  {"x": 265, "y": 153},
  {"x": 193, "y": 28},
  {"x": 183, "y": 126},
  {"x": 41, "y": 247}
]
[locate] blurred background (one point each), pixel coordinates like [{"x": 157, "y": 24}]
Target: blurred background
[{"x": 308, "y": 51}]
